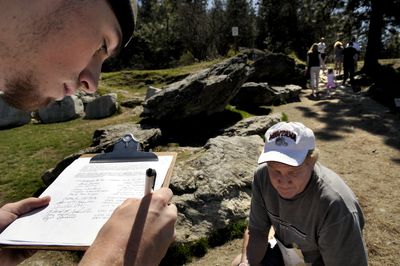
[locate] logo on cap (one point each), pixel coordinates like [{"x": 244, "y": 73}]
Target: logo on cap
[
  {"x": 283, "y": 133},
  {"x": 280, "y": 141}
]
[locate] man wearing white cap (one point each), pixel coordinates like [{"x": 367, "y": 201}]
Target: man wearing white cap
[
  {"x": 315, "y": 215},
  {"x": 48, "y": 50}
]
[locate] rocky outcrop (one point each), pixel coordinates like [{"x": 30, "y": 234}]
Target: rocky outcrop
[
  {"x": 253, "y": 94},
  {"x": 101, "y": 107},
  {"x": 132, "y": 102},
  {"x": 149, "y": 137},
  {"x": 69, "y": 108},
  {"x": 212, "y": 185},
  {"x": 12, "y": 117},
  {"x": 256, "y": 125},
  {"x": 274, "y": 68},
  {"x": 206, "y": 92}
]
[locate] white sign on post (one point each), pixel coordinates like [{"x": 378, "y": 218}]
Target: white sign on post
[
  {"x": 397, "y": 102},
  {"x": 235, "y": 31}
]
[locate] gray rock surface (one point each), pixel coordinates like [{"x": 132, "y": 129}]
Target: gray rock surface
[
  {"x": 208, "y": 92},
  {"x": 104, "y": 137},
  {"x": 69, "y": 108},
  {"x": 253, "y": 94},
  {"x": 255, "y": 125},
  {"x": 212, "y": 185},
  {"x": 274, "y": 68},
  {"x": 286, "y": 93},
  {"x": 101, "y": 107},
  {"x": 12, "y": 117},
  {"x": 132, "y": 102}
]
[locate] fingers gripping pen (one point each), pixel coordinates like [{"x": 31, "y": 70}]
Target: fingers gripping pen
[{"x": 150, "y": 181}]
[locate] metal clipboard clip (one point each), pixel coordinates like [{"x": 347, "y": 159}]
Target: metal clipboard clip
[{"x": 126, "y": 149}]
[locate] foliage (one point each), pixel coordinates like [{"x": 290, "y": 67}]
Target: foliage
[
  {"x": 285, "y": 117},
  {"x": 242, "y": 113},
  {"x": 168, "y": 29},
  {"x": 179, "y": 254},
  {"x": 240, "y": 14}
]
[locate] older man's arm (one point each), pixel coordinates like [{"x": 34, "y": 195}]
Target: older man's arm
[{"x": 255, "y": 245}]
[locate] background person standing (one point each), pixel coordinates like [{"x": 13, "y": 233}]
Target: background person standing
[
  {"x": 338, "y": 51},
  {"x": 348, "y": 63},
  {"x": 322, "y": 51},
  {"x": 314, "y": 62}
]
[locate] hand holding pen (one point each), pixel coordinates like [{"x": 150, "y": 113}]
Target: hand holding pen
[{"x": 150, "y": 181}]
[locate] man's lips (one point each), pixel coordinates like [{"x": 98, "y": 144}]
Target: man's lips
[{"x": 284, "y": 189}]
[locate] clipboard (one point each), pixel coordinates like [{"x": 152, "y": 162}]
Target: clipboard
[{"x": 126, "y": 152}]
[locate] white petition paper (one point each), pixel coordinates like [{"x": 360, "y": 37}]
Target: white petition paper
[{"x": 83, "y": 197}]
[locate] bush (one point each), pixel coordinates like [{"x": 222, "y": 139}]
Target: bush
[{"x": 186, "y": 58}]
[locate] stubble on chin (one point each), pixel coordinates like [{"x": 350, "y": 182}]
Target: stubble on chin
[{"x": 23, "y": 93}]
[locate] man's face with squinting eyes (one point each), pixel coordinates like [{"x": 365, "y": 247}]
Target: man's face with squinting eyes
[
  {"x": 290, "y": 181},
  {"x": 59, "y": 51}
]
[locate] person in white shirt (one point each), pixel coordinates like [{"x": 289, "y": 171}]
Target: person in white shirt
[{"x": 322, "y": 51}]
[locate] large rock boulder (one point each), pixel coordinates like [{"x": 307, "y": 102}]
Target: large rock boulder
[
  {"x": 274, "y": 68},
  {"x": 101, "y": 107},
  {"x": 149, "y": 137},
  {"x": 212, "y": 185},
  {"x": 12, "y": 117},
  {"x": 206, "y": 92},
  {"x": 69, "y": 108},
  {"x": 253, "y": 94},
  {"x": 255, "y": 125}
]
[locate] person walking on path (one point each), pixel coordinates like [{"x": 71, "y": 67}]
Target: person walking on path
[
  {"x": 348, "y": 63},
  {"x": 322, "y": 51},
  {"x": 356, "y": 46},
  {"x": 338, "y": 50},
  {"x": 314, "y": 62}
]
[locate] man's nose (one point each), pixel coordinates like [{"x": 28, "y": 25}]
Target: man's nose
[
  {"x": 89, "y": 77},
  {"x": 285, "y": 179}
]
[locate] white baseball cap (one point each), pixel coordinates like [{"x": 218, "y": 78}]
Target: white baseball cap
[{"x": 288, "y": 143}]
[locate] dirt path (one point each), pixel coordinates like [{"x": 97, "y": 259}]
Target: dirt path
[{"x": 360, "y": 141}]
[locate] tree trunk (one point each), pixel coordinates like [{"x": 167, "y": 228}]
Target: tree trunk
[{"x": 374, "y": 38}]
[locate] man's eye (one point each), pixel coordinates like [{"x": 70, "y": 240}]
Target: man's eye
[
  {"x": 294, "y": 174},
  {"x": 103, "y": 48}
]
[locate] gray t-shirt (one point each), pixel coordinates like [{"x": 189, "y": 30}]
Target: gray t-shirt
[{"x": 325, "y": 221}]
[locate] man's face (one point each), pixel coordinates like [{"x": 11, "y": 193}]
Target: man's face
[
  {"x": 288, "y": 180},
  {"x": 62, "y": 51}
]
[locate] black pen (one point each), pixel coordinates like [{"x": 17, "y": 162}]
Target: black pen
[{"x": 150, "y": 181}]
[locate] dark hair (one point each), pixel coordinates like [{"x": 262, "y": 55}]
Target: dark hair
[{"x": 125, "y": 11}]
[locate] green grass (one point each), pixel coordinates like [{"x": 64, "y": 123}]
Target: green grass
[
  {"x": 132, "y": 82},
  {"x": 28, "y": 151}
]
